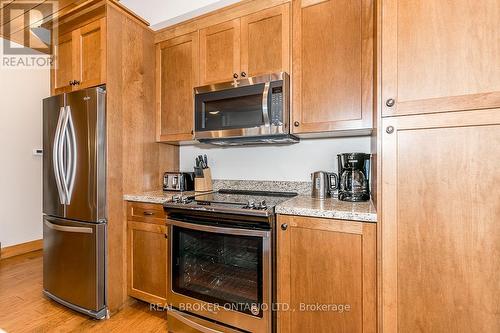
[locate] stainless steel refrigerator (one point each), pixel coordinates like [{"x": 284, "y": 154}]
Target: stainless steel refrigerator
[{"x": 74, "y": 200}]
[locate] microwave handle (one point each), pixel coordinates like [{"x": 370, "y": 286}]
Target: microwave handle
[{"x": 265, "y": 105}]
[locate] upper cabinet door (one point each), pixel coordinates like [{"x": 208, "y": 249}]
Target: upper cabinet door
[
  {"x": 332, "y": 65},
  {"x": 440, "y": 56},
  {"x": 176, "y": 75},
  {"x": 63, "y": 69},
  {"x": 90, "y": 58},
  {"x": 265, "y": 41},
  {"x": 220, "y": 52}
]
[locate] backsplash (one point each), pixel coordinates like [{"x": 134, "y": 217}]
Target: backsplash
[
  {"x": 302, "y": 188},
  {"x": 293, "y": 162}
]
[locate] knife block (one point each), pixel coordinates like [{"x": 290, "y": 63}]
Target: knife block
[{"x": 203, "y": 184}]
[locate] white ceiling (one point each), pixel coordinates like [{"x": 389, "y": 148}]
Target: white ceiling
[{"x": 163, "y": 13}]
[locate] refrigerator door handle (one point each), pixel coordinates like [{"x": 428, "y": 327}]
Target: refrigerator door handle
[
  {"x": 72, "y": 155},
  {"x": 81, "y": 230},
  {"x": 62, "y": 146},
  {"x": 55, "y": 156}
]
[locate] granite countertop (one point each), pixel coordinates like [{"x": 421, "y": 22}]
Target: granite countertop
[
  {"x": 302, "y": 205},
  {"x": 155, "y": 197},
  {"x": 305, "y": 205}
]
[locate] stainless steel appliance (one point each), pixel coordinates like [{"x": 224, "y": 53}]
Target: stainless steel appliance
[
  {"x": 74, "y": 200},
  {"x": 354, "y": 173},
  {"x": 246, "y": 111},
  {"x": 323, "y": 184},
  {"x": 221, "y": 261},
  {"x": 178, "y": 181}
]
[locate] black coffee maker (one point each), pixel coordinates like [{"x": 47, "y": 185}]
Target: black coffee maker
[{"x": 354, "y": 176}]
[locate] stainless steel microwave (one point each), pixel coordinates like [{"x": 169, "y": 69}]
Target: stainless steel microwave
[{"x": 246, "y": 111}]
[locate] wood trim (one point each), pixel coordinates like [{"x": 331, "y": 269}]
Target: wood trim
[
  {"x": 443, "y": 104},
  {"x": 225, "y": 14},
  {"x": 118, "y": 5},
  {"x": 350, "y": 227},
  {"x": 18, "y": 249}
]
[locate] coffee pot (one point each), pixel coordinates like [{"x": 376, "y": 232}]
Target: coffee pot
[
  {"x": 323, "y": 184},
  {"x": 354, "y": 173}
]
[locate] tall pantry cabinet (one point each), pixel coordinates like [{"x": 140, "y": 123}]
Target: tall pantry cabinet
[{"x": 440, "y": 132}]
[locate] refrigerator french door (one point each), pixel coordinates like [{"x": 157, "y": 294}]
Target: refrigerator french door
[{"x": 74, "y": 200}]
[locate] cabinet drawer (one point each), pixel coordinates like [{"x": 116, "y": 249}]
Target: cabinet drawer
[{"x": 145, "y": 212}]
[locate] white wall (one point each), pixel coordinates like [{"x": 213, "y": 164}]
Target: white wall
[
  {"x": 21, "y": 93},
  {"x": 271, "y": 162},
  {"x": 163, "y": 13}
]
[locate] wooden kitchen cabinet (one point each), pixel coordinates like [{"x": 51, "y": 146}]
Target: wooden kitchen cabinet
[
  {"x": 440, "y": 228},
  {"x": 176, "y": 76},
  {"x": 220, "y": 52},
  {"x": 437, "y": 63},
  {"x": 332, "y": 66},
  {"x": 147, "y": 252},
  {"x": 80, "y": 58},
  {"x": 63, "y": 57},
  {"x": 255, "y": 44},
  {"x": 330, "y": 263},
  {"x": 265, "y": 41}
]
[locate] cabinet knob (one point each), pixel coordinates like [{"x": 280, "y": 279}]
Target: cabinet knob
[
  {"x": 389, "y": 129},
  {"x": 70, "y": 83},
  {"x": 243, "y": 74},
  {"x": 296, "y": 124},
  {"x": 390, "y": 102},
  {"x": 235, "y": 75},
  {"x": 76, "y": 82},
  {"x": 192, "y": 132},
  {"x": 284, "y": 226}
]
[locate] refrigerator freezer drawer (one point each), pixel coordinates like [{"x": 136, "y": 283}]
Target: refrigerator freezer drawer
[{"x": 74, "y": 264}]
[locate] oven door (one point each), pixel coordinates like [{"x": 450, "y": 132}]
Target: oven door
[
  {"x": 221, "y": 273},
  {"x": 250, "y": 107}
]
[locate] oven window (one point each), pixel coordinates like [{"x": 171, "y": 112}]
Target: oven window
[
  {"x": 236, "y": 112},
  {"x": 218, "y": 268}
]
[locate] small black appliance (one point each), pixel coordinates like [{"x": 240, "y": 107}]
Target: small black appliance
[{"x": 354, "y": 174}]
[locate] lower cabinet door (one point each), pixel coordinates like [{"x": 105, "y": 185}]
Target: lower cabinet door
[
  {"x": 147, "y": 262},
  {"x": 326, "y": 275},
  {"x": 440, "y": 229}
]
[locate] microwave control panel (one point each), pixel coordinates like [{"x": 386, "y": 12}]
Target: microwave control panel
[{"x": 277, "y": 106}]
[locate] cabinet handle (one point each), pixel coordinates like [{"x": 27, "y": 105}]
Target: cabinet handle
[
  {"x": 235, "y": 75},
  {"x": 166, "y": 236},
  {"x": 296, "y": 124},
  {"x": 389, "y": 129},
  {"x": 390, "y": 102},
  {"x": 148, "y": 213},
  {"x": 243, "y": 74},
  {"x": 284, "y": 226}
]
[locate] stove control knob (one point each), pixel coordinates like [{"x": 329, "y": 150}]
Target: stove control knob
[
  {"x": 250, "y": 205},
  {"x": 176, "y": 198},
  {"x": 263, "y": 205}
]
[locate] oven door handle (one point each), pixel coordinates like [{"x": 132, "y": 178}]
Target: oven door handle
[
  {"x": 192, "y": 324},
  {"x": 220, "y": 230}
]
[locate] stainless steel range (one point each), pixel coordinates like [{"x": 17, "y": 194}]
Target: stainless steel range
[{"x": 221, "y": 261}]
